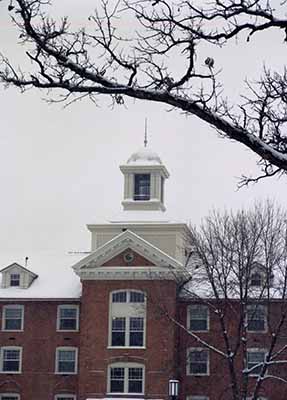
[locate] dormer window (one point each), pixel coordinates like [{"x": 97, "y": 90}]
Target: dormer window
[
  {"x": 256, "y": 279},
  {"x": 142, "y": 187},
  {"x": 17, "y": 276},
  {"x": 15, "y": 280}
]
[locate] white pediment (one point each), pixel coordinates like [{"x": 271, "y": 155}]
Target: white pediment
[{"x": 92, "y": 266}]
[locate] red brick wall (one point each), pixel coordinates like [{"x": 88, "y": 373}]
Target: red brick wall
[
  {"x": 158, "y": 357},
  {"x": 164, "y": 356},
  {"x": 39, "y": 341},
  {"x": 217, "y": 384}
]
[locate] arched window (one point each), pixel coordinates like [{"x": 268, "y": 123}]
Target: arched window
[
  {"x": 127, "y": 319},
  {"x": 126, "y": 378}
]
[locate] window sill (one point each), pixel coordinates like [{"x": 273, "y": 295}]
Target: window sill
[
  {"x": 11, "y": 372},
  {"x": 65, "y": 331},
  {"x": 197, "y": 374},
  {"x": 124, "y": 394},
  {"x": 66, "y": 373},
  {"x": 126, "y": 348}
]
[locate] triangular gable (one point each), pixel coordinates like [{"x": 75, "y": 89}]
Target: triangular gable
[
  {"x": 121, "y": 243},
  {"x": 128, "y": 258},
  {"x": 16, "y": 265}
]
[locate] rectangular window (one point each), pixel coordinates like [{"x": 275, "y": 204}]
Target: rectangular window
[
  {"x": 256, "y": 279},
  {"x": 256, "y": 318},
  {"x": 136, "y": 331},
  {"x": 135, "y": 380},
  {"x": 117, "y": 380},
  {"x": 11, "y": 359},
  {"x": 198, "y": 315},
  {"x": 9, "y": 396},
  {"x": 66, "y": 360},
  {"x": 198, "y": 362},
  {"x": 128, "y": 330},
  {"x": 255, "y": 358},
  {"x": 68, "y": 318},
  {"x": 13, "y": 318},
  {"x": 14, "y": 279},
  {"x": 126, "y": 379},
  {"x": 142, "y": 187},
  {"x": 118, "y": 331}
]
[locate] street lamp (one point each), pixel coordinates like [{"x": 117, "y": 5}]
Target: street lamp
[{"x": 173, "y": 385}]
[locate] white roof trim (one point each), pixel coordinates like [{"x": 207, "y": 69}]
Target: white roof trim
[
  {"x": 16, "y": 265},
  {"x": 123, "y": 241}
]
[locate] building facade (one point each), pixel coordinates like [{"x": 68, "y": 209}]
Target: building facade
[{"x": 114, "y": 326}]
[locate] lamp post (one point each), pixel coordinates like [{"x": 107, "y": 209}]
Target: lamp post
[{"x": 173, "y": 386}]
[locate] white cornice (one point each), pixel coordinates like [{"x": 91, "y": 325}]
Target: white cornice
[
  {"x": 131, "y": 273},
  {"x": 143, "y": 225},
  {"x": 144, "y": 168}
]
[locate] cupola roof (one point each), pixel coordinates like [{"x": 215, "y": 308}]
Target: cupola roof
[{"x": 144, "y": 156}]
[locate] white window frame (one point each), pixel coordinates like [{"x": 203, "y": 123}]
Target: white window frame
[
  {"x": 254, "y": 350},
  {"x": 67, "y": 306},
  {"x": 189, "y": 313},
  {"x": 2, "y": 359},
  {"x": 10, "y": 279},
  {"x": 258, "y": 398},
  {"x": 126, "y": 366},
  {"x": 66, "y": 348},
  {"x": 265, "y": 318},
  {"x": 16, "y": 395},
  {"x": 59, "y": 396},
  {"x": 197, "y": 397},
  {"x": 11, "y": 306},
  {"x": 127, "y": 312},
  {"x": 193, "y": 349}
]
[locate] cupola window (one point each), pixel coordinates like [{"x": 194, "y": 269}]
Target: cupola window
[{"x": 142, "y": 187}]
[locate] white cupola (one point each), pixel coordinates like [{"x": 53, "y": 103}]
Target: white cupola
[{"x": 144, "y": 179}]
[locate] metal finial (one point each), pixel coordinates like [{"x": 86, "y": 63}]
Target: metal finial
[
  {"x": 145, "y": 132},
  {"x": 26, "y": 261}
]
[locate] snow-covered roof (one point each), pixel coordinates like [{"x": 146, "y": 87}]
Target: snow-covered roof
[
  {"x": 199, "y": 286},
  {"x": 144, "y": 217},
  {"x": 56, "y": 279},
  {"x": 144, "y": 156}
]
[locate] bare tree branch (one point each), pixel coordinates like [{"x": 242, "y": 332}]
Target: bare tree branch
[{"x": 100, "y": 59}]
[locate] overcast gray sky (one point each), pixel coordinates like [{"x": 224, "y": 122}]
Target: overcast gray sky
[{"x": 59, "y": 168}]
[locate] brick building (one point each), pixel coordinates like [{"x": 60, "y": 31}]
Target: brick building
[{"x": 103, "y": 329}]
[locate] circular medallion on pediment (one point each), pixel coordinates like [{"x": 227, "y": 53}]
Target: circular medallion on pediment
[{"x": 129, "y": 257}]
